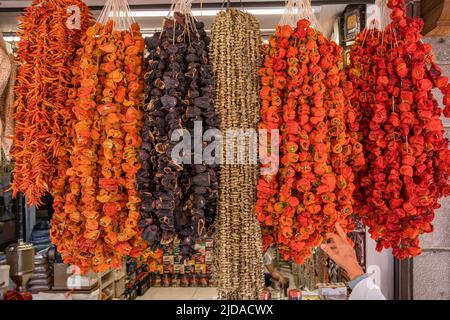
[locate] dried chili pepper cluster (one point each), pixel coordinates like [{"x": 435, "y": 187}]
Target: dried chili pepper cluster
[
  {"x": 101, "y": 203},
  {"x": 235, "y": 60},
  {"x": 305, "y": 94},
  {"x": 407, "y": 170},
  {"x": 45, "y": 54},
  {"x": 179, "y": 199}
]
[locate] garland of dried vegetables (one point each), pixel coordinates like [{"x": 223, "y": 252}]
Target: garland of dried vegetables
[
  {"x": 408, "y": 165},
  {"x": 60, "y": 183},
  {"x": 45, "y": 54},
  {"x": 179, "y": 199},
  {"x": 101, "y": 209},
  {"x": 238, "y": 248},
  {"x": 306, "y": 95},
  {"x": 7, "y": 81}
]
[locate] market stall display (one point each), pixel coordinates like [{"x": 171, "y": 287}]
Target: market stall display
[
  {"x": 46, "y": 50},
  {"x": 235, "y": 40},
  {"x": 137, "y": 279},
  {"x": 305, "y": 95},
  {"x": 101, "y": 204},
  {"x": 170, "y": 268},
  {"x": 179, "y": 195},
  {"x": 407, "y": 169},
  {"x": 115, "y": 130}
]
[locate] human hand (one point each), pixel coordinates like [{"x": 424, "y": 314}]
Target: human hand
[
  {"x": 282, "y": 282},
  {"x": 340, "y": 250}
]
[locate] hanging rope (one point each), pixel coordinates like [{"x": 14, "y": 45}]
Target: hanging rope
[
  {"x": 299, "y": 9},
  {"x": 119, "y": 12}
]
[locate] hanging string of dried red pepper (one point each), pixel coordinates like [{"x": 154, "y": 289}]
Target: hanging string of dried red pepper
[
  {"x": 45, "y": 54},
  {"x": 407, "y": 171},
  {"x": 305, "y": 94}
]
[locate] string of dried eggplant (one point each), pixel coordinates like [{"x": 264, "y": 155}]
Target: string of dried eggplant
[
  {"x": 179, "y": 199},
  {"x": 45, "y": 54},
  {"x": 238, "y": 246}
]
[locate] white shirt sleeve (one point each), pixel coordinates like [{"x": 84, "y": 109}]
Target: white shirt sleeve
[{"x": 366, "y": 289}]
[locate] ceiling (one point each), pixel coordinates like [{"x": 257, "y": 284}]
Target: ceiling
[
  {"x": 326, "y": 11},
  {"x": 156, "y": 3}
]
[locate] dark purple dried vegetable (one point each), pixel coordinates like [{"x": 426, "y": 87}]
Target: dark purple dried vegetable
[{"x": 179, "y": 200}]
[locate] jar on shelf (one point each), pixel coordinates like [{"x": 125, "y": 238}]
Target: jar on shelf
[
  {"x": 176, "y": 280},
  {"x": 167, "y": 280},
  {"x": 295, "y": 294},
  {"x": 156, "y": 280},
  {"x": 184, "y": 281},
  {"x": 203, "y": 281},
  {"x": 193, "y": 280},
  {"x": 265, "y": 295}
]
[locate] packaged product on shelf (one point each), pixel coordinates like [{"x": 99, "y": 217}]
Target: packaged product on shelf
[
  {"x": 200, "y": 269},
  {"x": 208, "y": 258},
  {"x": 199, "y": 259},
  {"x": 168, "y": 259},
  {"x": 209, "y": 243},
  {"x": 179, "y": 269}
]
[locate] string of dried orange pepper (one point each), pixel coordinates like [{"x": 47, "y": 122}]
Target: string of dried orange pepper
[
  {"x": 102, "y": 207},
  {"x": 60, "y": 184}
]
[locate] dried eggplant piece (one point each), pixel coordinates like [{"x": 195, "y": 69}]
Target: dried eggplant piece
[
  {"x": 151, "y": 43},
  {"x": 151, "y": 234},
  {"x": 145, "y": 222},
  {"x": 192, "y": 112},
  {"x": 170, "y": 82},
  {"x": 203, "y": 102}
]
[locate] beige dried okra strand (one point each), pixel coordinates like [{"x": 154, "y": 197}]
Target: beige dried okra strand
[{"x": 235, "y": 60}]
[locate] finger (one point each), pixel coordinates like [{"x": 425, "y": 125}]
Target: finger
[
  {"x": 333, "y": 236},
  {"x": 350, "y": 242},
  {"x": 328, "y": 250},
  {"x": 332, "y": 246},
  {"x": 345, "y": 274},
  {"x": 341, "y": 231}
]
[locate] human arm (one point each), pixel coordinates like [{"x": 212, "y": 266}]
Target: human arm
[
  {"x": 340, "y": 250},
  {"x": 275, "y": 274}
]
